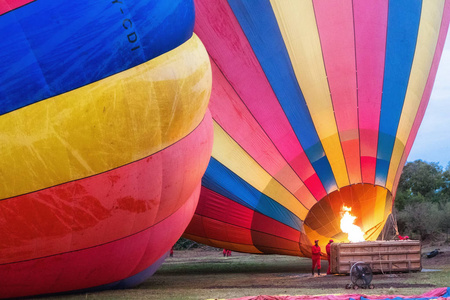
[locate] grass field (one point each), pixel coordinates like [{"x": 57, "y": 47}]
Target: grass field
[{"x": 206, "y": 274}]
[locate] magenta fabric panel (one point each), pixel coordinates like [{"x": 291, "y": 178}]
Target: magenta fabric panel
[
  {"x": 219, "y": 19},
  {"x": 335, "y": 23},
  {"x": 370, "y": 19},
  {"x": 427, "y": 92},
  {"x": 233, "y": 116},
  {"x": 315, "y": 186}
]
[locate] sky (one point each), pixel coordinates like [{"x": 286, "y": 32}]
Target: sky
[{"x": 432, "y": 143}]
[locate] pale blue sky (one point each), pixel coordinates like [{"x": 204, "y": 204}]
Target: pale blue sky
[{"x": 432, "y": 143}]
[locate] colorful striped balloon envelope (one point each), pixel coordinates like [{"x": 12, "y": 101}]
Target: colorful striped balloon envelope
[
  {"x": 316, "y": 104},
  {"x": 104, "y": 137}
]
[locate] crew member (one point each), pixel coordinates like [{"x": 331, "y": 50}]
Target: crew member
[
  {"x": 328, "y": 248},
  {"x": 315, "y": 250}
]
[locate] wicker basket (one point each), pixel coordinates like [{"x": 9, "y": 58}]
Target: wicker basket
[{"x": 382, "y": 256}]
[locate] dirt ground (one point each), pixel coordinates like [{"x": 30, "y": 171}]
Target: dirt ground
[{"x": 206, "y": 274}]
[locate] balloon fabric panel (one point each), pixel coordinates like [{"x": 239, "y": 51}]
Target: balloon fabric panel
[
  {"x": 307, "y": 61},
  {"x": 105, "y": 135},
  {"x": 267, "y": 44},
  {"x": 234, "y": 118},
  {"x": 335, "y": 25},
  {"x": 73, "y": 132},
  {"x": 370, "y": 18},
  {"x": 83, "y": 213},
  {"x": 239, "y": 56},
  {"x": 9, "y": 5},
  {"x": 133, "y": 252},
  {"x": 40, "y": 67},
  {"x": 229, "y": 221},
  {"x": 321, "y": 96},
  {"x": 427, "y": 93},
  {"x": 233, "y": 187},
  {"x": 428, "y": 34},
  {"x": 225, "y": 210},
  {"x": 244, "y": 166},
  {"x": 403, "y": 24}
]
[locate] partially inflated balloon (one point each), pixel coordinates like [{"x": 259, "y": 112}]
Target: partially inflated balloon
[
  {"x": 316, "y": 104},
  {"x": 104, "y": 138}
]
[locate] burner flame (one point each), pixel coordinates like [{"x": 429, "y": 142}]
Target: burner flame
[{"x": 355, "y": 234}]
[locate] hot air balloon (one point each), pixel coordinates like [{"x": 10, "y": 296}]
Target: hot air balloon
[
  {"x": 316, "y": 105},
  {"x": 104, "y": 137}
]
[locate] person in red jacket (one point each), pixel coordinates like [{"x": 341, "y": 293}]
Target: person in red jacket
[
  {"x": 315, "y": 250},
  {"x": 328, "y": 248}
]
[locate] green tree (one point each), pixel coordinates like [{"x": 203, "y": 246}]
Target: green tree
[
  {"x": 421, "y": 219},
  {"x": 421, "y": 181},
  {"x": 445, "y": 192}
]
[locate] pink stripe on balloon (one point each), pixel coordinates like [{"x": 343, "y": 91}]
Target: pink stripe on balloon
[
  {"x": 335, "y": 23},
  {"x": 234, "y": 117},
  {"x": 427, "y": 92},
  {"x": 229, "y": 48},
  {"x": 370, "y": 18}
]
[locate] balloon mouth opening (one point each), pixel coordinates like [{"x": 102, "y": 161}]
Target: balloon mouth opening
[{"x": 335, "y": 216}]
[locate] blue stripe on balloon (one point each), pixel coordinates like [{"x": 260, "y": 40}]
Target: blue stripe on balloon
[
  {"x": 221, "y": 180},
  {"x": 51, "y": 47},
  {"x": 402, "y": 31},
  {"x": 261, "y": 28}
]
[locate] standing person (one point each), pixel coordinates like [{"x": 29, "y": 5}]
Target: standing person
[
  {"x": 328, "y": 248},
  {"x": 315, "y": 250}
]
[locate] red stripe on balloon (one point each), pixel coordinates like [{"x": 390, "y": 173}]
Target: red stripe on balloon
[
  {"x": 223, "y": 219},
  {"x": 263, "y": 224},
  {"x": 219, "y": 207},
  {"x": 98, "y": 265}
]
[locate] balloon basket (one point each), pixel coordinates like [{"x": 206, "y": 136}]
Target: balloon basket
[{"x": 381, "y": 256}]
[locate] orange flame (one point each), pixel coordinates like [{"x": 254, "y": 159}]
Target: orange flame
[{"x": 355, "y": 234}]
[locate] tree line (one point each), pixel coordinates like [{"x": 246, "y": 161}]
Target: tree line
[{"x": 422, "y": 203}]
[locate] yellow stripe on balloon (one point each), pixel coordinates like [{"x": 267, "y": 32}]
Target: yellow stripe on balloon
[
  {"x": 106, "y": 124},
  {"x": 430, "y": 22},
  {"x": 305, "y": 53},
  {"x": 385, "y": 202},
  {"x": 231, "y": 155},
  {"x": 373, "y": 207}
]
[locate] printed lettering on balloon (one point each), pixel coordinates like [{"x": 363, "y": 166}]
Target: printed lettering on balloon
[{"x": 128, "y": 25}]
